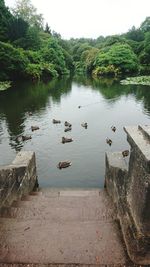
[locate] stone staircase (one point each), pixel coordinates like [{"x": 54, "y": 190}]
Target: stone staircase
[{"x": 63, "y": 227}]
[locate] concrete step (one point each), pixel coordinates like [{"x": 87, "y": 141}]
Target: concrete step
[
  {"x": 74, "y": 242},
  {"x": 62, "y": 227},
  {"x": 46, "y": 207},
  {"x": 69, "y": 265}
]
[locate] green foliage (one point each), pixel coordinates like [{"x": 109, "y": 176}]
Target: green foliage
[
  {"x": 12, "y": 61},
  {"x": 17, "y": 28},
  {"x": 120, "y": 56},
  {"x": 5, "y": 17},
  {"x": 110, "y": 70},
  {"x": 53, "y": 53},
  {"x": 135, "y": 34},
  {"x": 29, "y": 51},
  {"x": 145, "y": 26},
  {"x": 5, "y": 85},
  {"x": 40, "y": 71},
  {"x": 88, "y": 57}
]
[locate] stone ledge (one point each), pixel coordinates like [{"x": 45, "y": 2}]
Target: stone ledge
[
  {"x": 130, "y": 191},
  {"x": 17, "y": 179}
]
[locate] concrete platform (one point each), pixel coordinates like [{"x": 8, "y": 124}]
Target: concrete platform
[{"x": 66, "y": 228}]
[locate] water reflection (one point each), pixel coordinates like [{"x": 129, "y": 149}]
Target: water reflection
[
  {"x": 25, "y": 98},
  {"x": 59, "y": 99},
  {"x": 112, "y": 90}
]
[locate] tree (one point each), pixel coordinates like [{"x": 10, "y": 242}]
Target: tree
[
  {"x": 13, "y": 62},
  {"x": 120, "y": 56},
  {"x": 5, "y": 17},
  {"x": 145, "y": 26},
  {"x": 25, "y": 10},
  {"x": 135, "y": 34},
  {"x": 47, "y": 29},
  {"x": 88, "y": 57},
  {"x": 17, "y": 28}
]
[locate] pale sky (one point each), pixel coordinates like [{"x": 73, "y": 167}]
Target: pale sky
[{"x": 91, "y": 18}]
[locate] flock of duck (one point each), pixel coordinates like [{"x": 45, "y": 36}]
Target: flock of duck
[{"x": 68, "y": 127}]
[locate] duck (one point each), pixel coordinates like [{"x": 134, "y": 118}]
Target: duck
[
  {"x": 125, "y": 153},
  {"x": 26, "y": 137},
  {"x": 84, "y": 124},
  {"x": 34, "y": 128},
  {"x": 68, "y": 129},
  {"x": 30, "y": 113},
  {"x": 113, "y": 128},
  {"x": 67, "y": 124},
  {"x": 56, "y": 121},
  {"x": 66, "y": 140},
  {"x": 108, "y": 141},
  {"x": 64, "y": 164},
  {"x": 79, "y": 106}
]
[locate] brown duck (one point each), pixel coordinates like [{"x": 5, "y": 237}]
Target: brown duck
[
  {"x": 34, "y": 128},
  {"x": 125, "y": 153},
  {"x": 64, "y": 164},
  {"x": 66, "y": 140},
  {"x": 108, "y": 141},
  {"x": 56, "y": 121}
]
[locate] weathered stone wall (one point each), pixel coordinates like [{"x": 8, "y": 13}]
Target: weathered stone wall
[
  {"x": 17, "y": 179},
  {"x": 129, "y": 187}
]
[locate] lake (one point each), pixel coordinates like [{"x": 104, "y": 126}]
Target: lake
[{"x": 103, "y": 103}]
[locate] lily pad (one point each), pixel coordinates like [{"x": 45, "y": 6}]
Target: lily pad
[
  {"x": 143, "y": 80},
  {"x": 5, "y": 85}
]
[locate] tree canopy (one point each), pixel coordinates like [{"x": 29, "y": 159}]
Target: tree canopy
[{"x": 30, "y": 50}]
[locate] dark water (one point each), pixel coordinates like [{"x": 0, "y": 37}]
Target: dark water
[{"x": 104, "y": 103}]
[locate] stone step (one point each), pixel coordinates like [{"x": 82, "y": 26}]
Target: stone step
[
  {"x": 55, "y": 214},
  {"x": 74, "y": 242},
  {"x": 69, "y": 265},
  {"x": 60, "y": 209},
  {"x": 61, "y": 200}
]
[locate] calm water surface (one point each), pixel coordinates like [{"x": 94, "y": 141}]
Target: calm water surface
[{"x": 103, "y": 103}]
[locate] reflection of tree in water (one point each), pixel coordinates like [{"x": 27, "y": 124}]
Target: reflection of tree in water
[
  {"x": 61, "y": 87},
  {"x": 112, "y": 90},
  {"x": 28, "y": 97}
]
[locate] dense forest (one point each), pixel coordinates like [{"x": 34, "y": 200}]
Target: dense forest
[{"x": 31, "y": 50}]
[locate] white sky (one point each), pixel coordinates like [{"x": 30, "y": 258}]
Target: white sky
[{"x": 91, "y": 18}]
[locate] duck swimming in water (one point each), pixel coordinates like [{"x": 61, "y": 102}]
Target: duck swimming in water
[
  {"x": 66, "y": 140},
  {"x": 85, "y": 125},
  {"x": 108, "y": 141},
  {"x": 68, "y": 124},
  {"x": 68, "y": 129},
  {"x": 125, "y": 153},
  {"x": 64, "y": 164},
  {"x": 56, "y": 121},
  {"x": 26, "y": 137},
  {"x": 113, "y": 128},
  {"x": 34, "y": 128}
]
